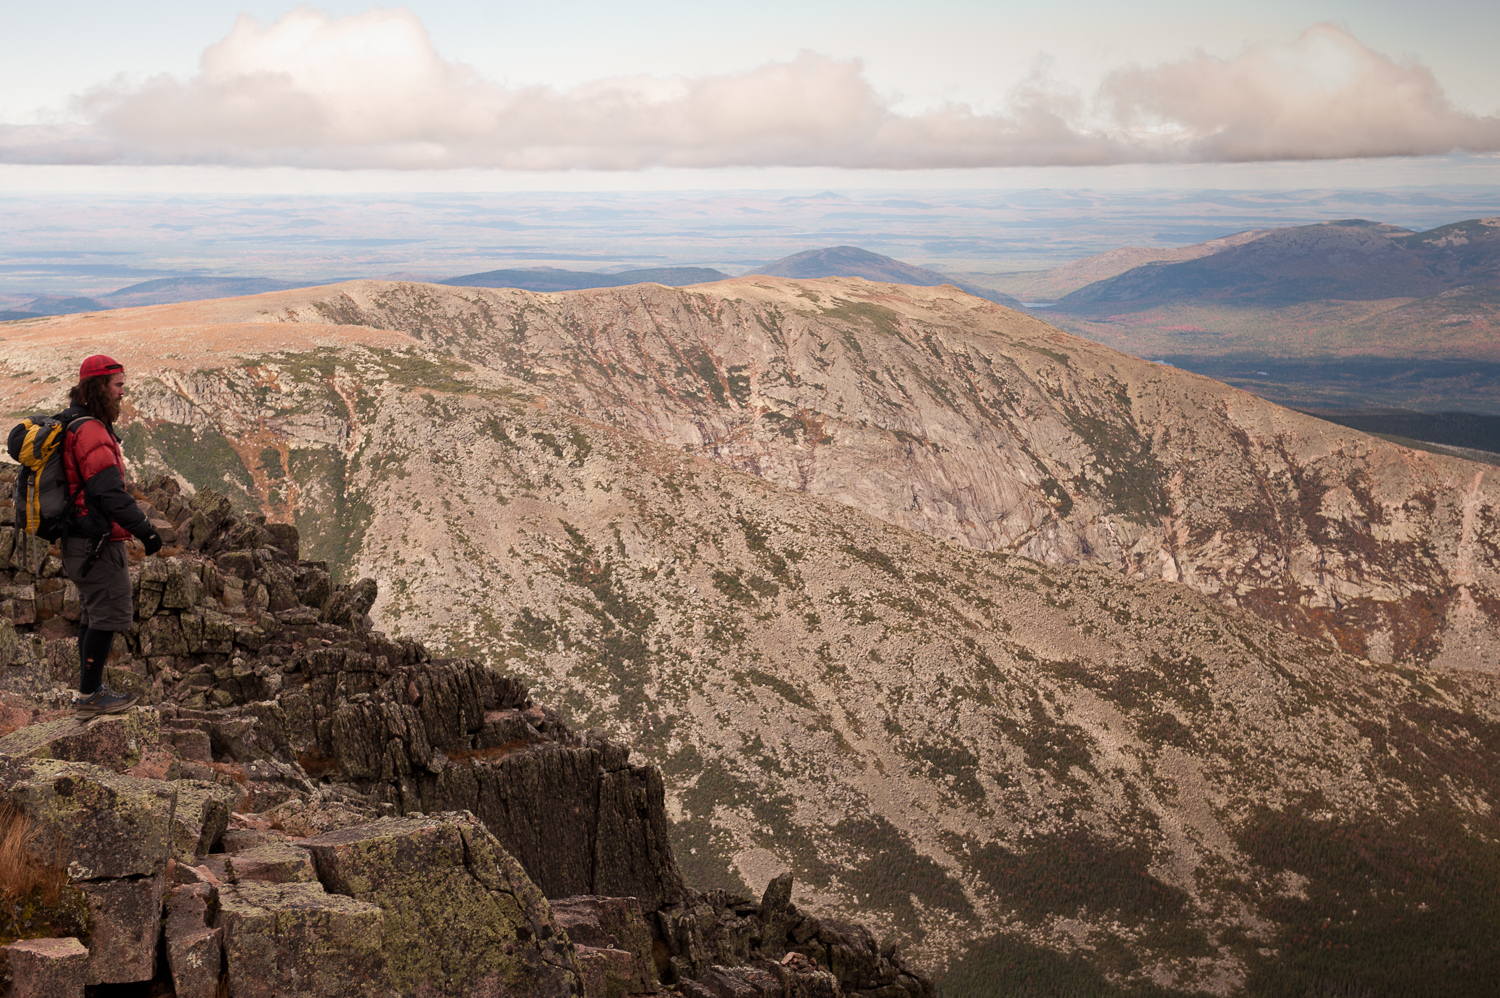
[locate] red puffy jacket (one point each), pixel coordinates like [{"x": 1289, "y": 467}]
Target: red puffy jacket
[{"x": 95, "y": 467}]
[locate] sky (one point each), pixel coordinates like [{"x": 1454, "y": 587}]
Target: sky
[{"x": 444, "y": 94}]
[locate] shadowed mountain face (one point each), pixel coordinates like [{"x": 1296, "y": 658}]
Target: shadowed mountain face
[
  {"x": 555, "y": 279},
  {"x": 851, "y": 261},
  {"x": 1351, "y": 260},
  {"x": 1464, "y": 253},
  {"x": 718, "y": 522}
]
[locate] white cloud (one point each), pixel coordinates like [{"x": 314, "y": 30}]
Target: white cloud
[
  {"x": 370, "y": 91},
  {"x": 1324, "y": 97}
]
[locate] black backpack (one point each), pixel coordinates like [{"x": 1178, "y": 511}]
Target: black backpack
[{"x": 43, "y": 502}]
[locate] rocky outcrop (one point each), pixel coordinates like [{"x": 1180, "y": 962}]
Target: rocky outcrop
[{"x": 303, "y": 805}]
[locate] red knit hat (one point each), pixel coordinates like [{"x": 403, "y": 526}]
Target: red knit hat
[{"x": 99, "y": 364}]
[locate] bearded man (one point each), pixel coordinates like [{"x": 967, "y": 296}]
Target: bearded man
[{"x": 104, "y": 518}]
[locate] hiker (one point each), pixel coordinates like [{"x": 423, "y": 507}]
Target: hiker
[{"x": 104, "y": 517}]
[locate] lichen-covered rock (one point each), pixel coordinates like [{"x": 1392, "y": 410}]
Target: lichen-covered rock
[
  {"x": 106, "y": 825},
  {"x": 296, "y": 939},
  {"x": 461, "y": 916},
  {"x": 47, "y": 968},
  {"x": 611, "y": 928},
  {"x": 606, "y": 972},
  {"x": 194, "y": 947},
  {"x": 272, "y": 863},
  {"x": 113, "y": 741},
  {"x": 200, "y": 817},
  {"x": 709, "y": 939},
  {"x": 124, "y": 918},
  {"x": 776, "y": 916}
]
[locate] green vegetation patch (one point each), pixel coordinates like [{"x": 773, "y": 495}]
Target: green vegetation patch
[
  {"x": 330, "y": 519},
  {"x": 621, "y": 655},
  {"x": 951, "y": 759},
  {"x": 1403, "y": 907},
  {"x": 1064, "y": 873},
  {"x": 1009, "y": 966},
  {"x": 885, "y": 320},
  {"x": 747, "y": 590},
  {"x": 1131, "y": 482},
  {"x": 781, "y": 688},
  {"x": 705, "y": 854},
  {"x": 892, "y": 872},
  {"x": 205, "y": 459},
  {"x": 875, "y": 559},
  {"x": 1050, "y": 743},
  {"x": 413, "y": 371}
]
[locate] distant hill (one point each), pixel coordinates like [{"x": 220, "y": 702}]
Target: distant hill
[
  {"x": 52, "y": 305},
  {"x": 1351, "y": 260},
  {"x": 163, "y": 291},
  {"x": 1308, "y": 315},
  {"x": 1464, "y": 253},
  {"x": 1049, "y": 284},
  {"x": 170, "y": 290},
  {"x": 557, "y": 279},
  {"x": 851, "y": 261}
]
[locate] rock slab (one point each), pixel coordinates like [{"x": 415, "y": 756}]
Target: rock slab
[
  {"x": 126, "y": 919},
  {"x": 47, "y": 968},
  {"x": 194, "y": 948},
  {"x": 460, "y": 915},
  {"x": 295, "y": 939}
]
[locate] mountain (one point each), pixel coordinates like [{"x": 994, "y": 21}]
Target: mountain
[
  {"x": 162, "y": 291},
  {"x": 1076, "y": 673},
  {"x": 1463, "y": 253},
  {"x": 167, "y": 290},
  {"x": 555, "y": 279},
  {"x": 1059, "y": 281},
  {"x": 1352, "y": 260},
  {"x": 53, "y": 305},
  {"x": 851, "y": 261},
  {"x": 1324, "y": 305}
]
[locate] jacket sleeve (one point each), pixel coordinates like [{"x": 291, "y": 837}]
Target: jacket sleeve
[{"x": 106, "y": 493}]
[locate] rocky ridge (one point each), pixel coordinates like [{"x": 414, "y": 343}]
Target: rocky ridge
[
  {"x": 304, "y": 805},
  {"x": 950, "y": 416}
]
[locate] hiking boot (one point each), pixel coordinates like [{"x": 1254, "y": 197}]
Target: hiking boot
[{"x": 103, "y": 701}]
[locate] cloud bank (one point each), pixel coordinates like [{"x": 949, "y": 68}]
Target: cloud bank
[{"x": 370, "y": 91}]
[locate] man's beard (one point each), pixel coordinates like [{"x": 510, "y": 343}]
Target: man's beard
[{"x": 110, "y": 410}]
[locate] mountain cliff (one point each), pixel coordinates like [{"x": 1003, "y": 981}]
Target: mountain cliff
[{"x": 1038, "y": 655}]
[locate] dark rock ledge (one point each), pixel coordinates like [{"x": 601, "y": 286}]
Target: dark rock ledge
[{"x": 305, "y": 806}]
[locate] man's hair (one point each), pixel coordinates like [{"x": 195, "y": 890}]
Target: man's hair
[{"x": 93, "y": 395}]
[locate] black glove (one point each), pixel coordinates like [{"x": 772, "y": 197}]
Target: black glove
[{"x": 152, "y": 542}]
